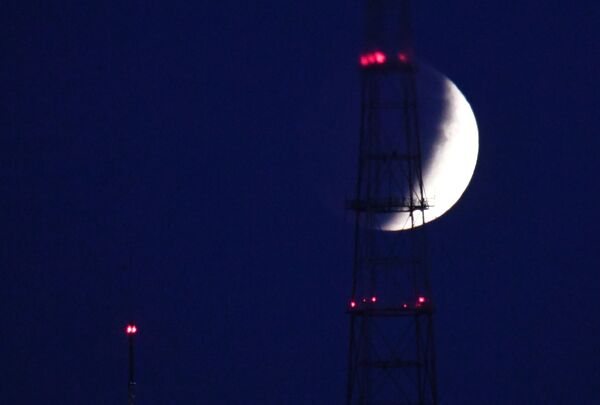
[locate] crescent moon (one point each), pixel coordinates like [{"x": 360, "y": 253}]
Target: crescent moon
[{"x": 449, "y": 163}]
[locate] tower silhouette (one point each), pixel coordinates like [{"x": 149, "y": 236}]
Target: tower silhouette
[{"x": 391, "y": 356}]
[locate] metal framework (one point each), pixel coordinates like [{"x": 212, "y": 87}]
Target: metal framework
[{"x": 391, "y": 357}]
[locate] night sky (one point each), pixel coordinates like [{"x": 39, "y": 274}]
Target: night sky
[{"x": 185, "y": 165}]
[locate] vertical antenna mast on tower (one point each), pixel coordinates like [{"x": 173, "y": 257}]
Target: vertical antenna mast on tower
[
  {"x": 131, "y": 331},
  {"x": 391, "y": 356}
]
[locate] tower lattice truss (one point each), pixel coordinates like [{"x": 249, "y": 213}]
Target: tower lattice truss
[{"x": 391, "y": 353}]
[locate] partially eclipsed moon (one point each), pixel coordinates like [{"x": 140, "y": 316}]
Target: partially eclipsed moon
[{"x": 449, "y": 162}]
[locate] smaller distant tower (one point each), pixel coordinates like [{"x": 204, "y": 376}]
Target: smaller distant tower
[{"x": 131, "y": 331}]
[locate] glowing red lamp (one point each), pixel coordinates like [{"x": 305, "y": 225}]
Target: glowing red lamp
[
  {"x": 422, "y": 300},
  {"x": 373, "y": 299},
  {"x": 131, "y": 330},
  {"x": 352, "y": 304},
  {"x": 373, "y": 58},
  {"x": 402, "y": 57},
  {"x": 379, "y": 57}
]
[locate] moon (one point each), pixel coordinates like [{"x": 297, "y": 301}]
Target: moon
[{"x": 449, "y": 155}]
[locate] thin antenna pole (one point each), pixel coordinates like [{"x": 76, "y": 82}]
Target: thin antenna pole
[{"x": 131, "y": 331}]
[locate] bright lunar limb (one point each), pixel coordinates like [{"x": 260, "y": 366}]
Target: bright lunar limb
[{"x": 448, "y": 164}]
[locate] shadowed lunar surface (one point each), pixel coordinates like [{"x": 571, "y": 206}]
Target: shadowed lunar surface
[{"x": 450, "y": 146}]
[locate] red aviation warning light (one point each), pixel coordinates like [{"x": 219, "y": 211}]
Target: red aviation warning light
[
  {"x": 131, "y": 330},
  {"x": 379, "y": 57},
  {"x": 402, "y": 57},
  {"x": 373, "y": 58},
  {"x": 352, "y": 304},
  {"x": 373, "y": 299}
]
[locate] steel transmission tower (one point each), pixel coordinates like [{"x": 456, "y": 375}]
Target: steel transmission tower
[{"x": 391, "y": 353}]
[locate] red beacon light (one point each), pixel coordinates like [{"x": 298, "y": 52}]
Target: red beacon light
[
  {"x": 131, "y": 330},
  {"x": 373, "y": 58},
  {"x": 379, "y": 57},
  {"x": 373, "y": 299},
  {"x": 402, "y": 57},
  {"x": 422, "y": 300},
  {"x": 352, "y": 304}
]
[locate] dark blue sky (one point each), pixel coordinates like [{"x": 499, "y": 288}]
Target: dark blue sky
[{"x": 187, "y": 165}]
